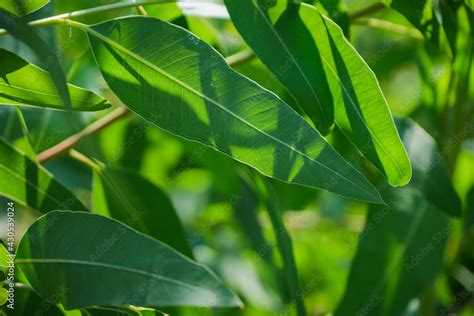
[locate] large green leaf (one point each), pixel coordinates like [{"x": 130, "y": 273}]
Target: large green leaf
[
  {"x": 25, "y": 84},
  {"x": 128, "y": 197},
  {"x": 22, "y": 7},
  {"x": 171, "y": 78},
  {"x": 401, "y": 248},
  {"x": 314, "y": 57},
  {"x": 84, "y": 259},
  {"x": 28, "y": 183}
]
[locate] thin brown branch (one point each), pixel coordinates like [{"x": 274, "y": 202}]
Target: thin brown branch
[
  {"x": 368, "y": 11},
  {"x": 71, "y": 141}
]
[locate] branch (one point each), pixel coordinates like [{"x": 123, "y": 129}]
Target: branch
[
  {"x": 367, "y": 11},
  {"x": 71, "y": 141},
  {"x": 81, "y": 13}
]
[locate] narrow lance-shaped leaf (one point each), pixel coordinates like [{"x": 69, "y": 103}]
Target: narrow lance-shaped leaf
[
  {"x": 174, "y": 80},
  {"x": 401, "y": 249},
  {"x": 123, "y": 266},
  {"x": 28, "y": 183},
  {"x": 314, "y": 47},
  {"x": 128, "y": 197},
  {"x": 22, "y": 7},
  {"x": 22, "y": 83},
  {"x": 19, "y": 29}
]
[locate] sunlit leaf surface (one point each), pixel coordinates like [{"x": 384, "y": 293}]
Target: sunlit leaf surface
[
  {"x": 22, "y": 83},
  {"x": 176, "y": 81},
  {"x": 310, "y": 55}
]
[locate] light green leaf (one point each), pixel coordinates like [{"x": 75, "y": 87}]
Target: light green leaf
[
  {"x": 3, "y": 296},
  {"x": 22, "y": 7},
  {"x": 84, "y": 259},
  {"x": 314, "y": 58},
  {"x": 176, "y": 81},
  {"x": 23, "y": 32},
  {"x": 22, "y": 83},
  {"x": 401, "y": 249},
  {"x": 28, "y": 183},
  {"x": 4, "y": 258},
  {"x": 131, "y": 199}
]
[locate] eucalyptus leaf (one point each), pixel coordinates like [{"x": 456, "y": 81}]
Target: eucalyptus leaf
[
  {"x": 25, "y": 84},
  {"x": 22, "y": 7},
  {"x": 23, "y": 32},
  {"x": 28, "y": 183},
  {"x": 176, "y": 81},
  {"x": 401, "y": 248},
  {"x": 323, "y": 71},
  {"x": 130, "y": 198},
  {"x": 84, "y": 259}
]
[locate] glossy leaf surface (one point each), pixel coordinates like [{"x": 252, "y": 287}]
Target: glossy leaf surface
[
  {"x": 314, "y": 58},
  {"x": 22, "y": 83},
  {"x": 22, "y": 7},
  {"x": 123, "y": 266},
  {"x": 28, "y": 183},
  {"x": 176, "y": 81}
]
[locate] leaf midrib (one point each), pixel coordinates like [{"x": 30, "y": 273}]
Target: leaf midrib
[
  {"x": 116, "y": 267},
  {"x": 192, "y": 90},
  {"x": 277, "y": 35},
  {"x": 332, "y": 71},
  {"x": 44, "y": 93}
]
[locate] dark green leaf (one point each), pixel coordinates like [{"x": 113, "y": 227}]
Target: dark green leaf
[
  {"x": 432, "y": 18},
  {"x": 28, "y": 183},
  {"x": 22, "y": 7},
  {"x": 25, "y": 84},
  {"x": 83, "y": 259},
  {"x": 128, "y": 197},
  {"x": 174, "y": 80},
  {"x": 314, "y": 58},
  {"x": 432, "y": 179},
  {"x": 401, "y": 248}
]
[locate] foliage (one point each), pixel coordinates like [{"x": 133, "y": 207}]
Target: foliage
[{"x": 236, "y": 157}]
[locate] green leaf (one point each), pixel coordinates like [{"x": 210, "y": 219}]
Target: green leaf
[
  {"x": 401, "y": 248},
  {"x": 22, "y": 83},
  {"x": 19, "y": 29},
  {"x": 4, "y": 258},
  {"x": 22, "y": 7},
  {"x": 432, "y": 18},
  {"x": 176, "y": 81},
  {"x": 312, "y": 46},
  {"x": 131, "y": 199},
  {"x": 84, "y": 259},
  {"x": 3, "y": 296},
  {"x": 275, "y": 211},
  {"x": 28, "y": 183},
  {"x": 430, "y": 176}
]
